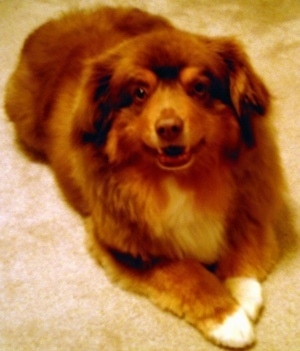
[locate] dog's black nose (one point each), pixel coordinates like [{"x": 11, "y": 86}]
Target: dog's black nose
[{"x": 169, "y": 128}]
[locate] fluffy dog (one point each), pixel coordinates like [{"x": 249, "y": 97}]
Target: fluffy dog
[{"x": 163, "y": 137}]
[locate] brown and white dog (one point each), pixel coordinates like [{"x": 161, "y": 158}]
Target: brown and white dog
[{"x": 164, "y": 138}]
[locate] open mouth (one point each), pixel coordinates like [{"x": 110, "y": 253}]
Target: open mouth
[{"x": 174, "y": 157}]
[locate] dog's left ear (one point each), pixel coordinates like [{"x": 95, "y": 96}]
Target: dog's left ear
[
  {"x": 93, "y": 116},
  {"x": 248, "y": 94}
]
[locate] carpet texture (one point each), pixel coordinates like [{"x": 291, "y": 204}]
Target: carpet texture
[{"x": 53, "y": 295}]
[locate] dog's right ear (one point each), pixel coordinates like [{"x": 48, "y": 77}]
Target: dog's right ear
[
  {"x": 93, "y": 114},
  {"x": 248, "y": 93}
]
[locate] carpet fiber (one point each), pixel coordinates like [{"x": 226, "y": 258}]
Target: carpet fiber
[{"x": 53, "y": 295}]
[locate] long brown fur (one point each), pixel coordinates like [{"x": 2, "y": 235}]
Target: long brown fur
[{"x": 164, "y": 138}]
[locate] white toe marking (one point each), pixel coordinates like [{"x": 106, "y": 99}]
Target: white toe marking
[
  {"x": 248, "y": 293},
  {"x": 236, "y": 331}
]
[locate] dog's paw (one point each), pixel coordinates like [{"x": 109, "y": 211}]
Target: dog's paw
[
  {"x": 248, "y": 293},
  {"x": 235, "y": 331}
]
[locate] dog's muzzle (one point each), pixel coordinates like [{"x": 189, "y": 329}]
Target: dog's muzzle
[{"x": 169, "y": 131}]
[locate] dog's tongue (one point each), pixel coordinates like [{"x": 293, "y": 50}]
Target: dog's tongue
[{"x": 173, "y": 156}]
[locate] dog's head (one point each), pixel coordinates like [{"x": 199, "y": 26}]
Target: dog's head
[{"x": 170, "y": 99}]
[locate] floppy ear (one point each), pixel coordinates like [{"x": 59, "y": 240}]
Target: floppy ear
[
  {"x": 249, "y": 95},
  {"x": 94, "y": 112}
]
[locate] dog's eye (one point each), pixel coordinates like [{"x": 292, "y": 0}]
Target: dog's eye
[
  {"x": 140, "y": 94},
  {"x": 200, "y": 89}
]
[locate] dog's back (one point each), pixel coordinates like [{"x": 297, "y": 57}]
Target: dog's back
[{"x": 56, "y": 51}]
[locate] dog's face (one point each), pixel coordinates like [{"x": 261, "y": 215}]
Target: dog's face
[
  {"x": 171, "y": 121},
  {"x": 171, "y": 100}
]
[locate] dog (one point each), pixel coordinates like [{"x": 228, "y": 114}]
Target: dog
[{"x": 163, "y": 137}]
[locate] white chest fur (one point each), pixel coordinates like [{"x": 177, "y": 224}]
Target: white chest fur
[{"x": 189, "y": 231}]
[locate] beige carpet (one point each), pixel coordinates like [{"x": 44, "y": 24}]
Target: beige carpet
[{"x": 53, "y": 296}]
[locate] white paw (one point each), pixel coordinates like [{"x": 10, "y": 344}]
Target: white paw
[
  {"x": 248, "y": 293},
  {"x": 236, "y": 331}
]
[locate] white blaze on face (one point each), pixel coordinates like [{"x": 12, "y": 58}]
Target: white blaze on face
[{"x": 168, "y": 102}]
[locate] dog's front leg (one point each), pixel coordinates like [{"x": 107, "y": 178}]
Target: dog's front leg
[
  {"x": 190, "y": 291},
  {"x": 251, "y": 253}
]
